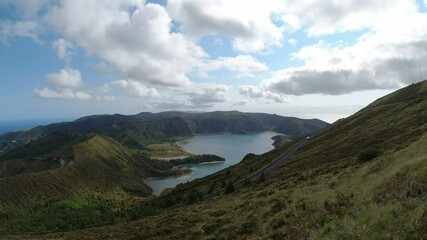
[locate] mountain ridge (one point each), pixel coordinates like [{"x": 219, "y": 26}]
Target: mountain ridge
[{"x": 137, "y": 131}]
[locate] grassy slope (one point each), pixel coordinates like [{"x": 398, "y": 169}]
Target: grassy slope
[
  {"x": 39, "y": 195},
  {"x": 97, "y": 162},
  {"x": 91, "y": 160},
  {"x": 164, "y": 150},
  {"x": 323, "y": 192}
]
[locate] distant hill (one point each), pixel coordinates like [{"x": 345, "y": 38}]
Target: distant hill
[
  {"x": 365, "y": 177},
  {"x": 136, "y": 131},
  {"x": 63, "y": 164}
]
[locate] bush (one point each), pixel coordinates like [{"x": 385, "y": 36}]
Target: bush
[
  {"x": 261, "y": 178},
  {"x": 368, "y": 155},
  {"x": 230, "y": 187}
]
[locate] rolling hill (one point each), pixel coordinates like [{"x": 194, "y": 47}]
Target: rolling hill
[
  {"x": 365, "y": 177},
  {"x": 69, "y": 164}
]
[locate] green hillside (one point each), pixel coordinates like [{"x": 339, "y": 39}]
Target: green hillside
[
  {"x": 363, "y": 178},
  {"x": 64, "y": 175},
  {"x": 90, "y": 163},
  {"x": 70, "y": 181}
]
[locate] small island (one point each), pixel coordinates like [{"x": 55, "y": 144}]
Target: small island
[{"x": 197, "y": 159}]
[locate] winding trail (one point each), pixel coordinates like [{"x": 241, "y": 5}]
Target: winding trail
[
  {"x": 279, "y": 160},
  {"x": 274, "y": 164}
]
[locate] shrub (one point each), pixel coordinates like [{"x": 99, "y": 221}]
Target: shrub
[
  {"x": 230, "y": 187},
  {"x": 277, "y": 207},
  {"x": 261, "y": 178},
  {"x": 368, "y": 155},
  {"x": 211, "y": 188}
]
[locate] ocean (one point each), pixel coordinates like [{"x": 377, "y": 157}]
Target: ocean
[{"x": 26, "y": 124}]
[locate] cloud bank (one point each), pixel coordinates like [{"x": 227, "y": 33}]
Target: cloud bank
[{"x": 160, "y": 52}]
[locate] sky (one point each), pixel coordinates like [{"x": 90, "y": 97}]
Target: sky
[{"x": 309, "y": 59}]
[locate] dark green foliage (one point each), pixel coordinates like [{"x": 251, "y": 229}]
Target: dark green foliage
[
  {"x": 277, "y": 222},
  {"x": 261, "y": 178},
  {"x": 140, "y": 211},
  {"x": 338, "y": 205},
  {"x": 211, "y": 188},
  {"x": 249, "y": 226},
  {"x": 368, "y": 155},
  {"x": 229, "y": 188},
  {"x": 193, "y": 197},
  {"x": 204, "y": 158},
  {"x": 42, "y": 146},
  {"x": 60, "y": 215},
  {"x": 278, "y": 207},
  {"x": 246, "y": 182}
]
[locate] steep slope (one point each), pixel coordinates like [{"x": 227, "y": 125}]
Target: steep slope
[
  {"x": 139, "y": 130},
  {"x": 72, "y": 165},
  {"x": 365, "y": 177}
]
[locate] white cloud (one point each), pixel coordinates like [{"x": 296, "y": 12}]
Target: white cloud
[
  {"x": 383, "y": 58},
  {"x": 241, "y": 103},
  {"x": 104, "y": 67},
  {"x": 263, "y": 94},
  {"x": 243, "y": 65},
  {"x": 62, "y": 94},
  {"x": 137, "y": 89},
  {"x": 28, "y": 29},
  {"x": 64, "y": 49},
  {"x": 329, "y": 17},
  {"x": 105, "y": 88},
  {"x": 293, "y": 42},
  {"x": 248, "y": 23},
  {"x": 64, "y": 85},
  {"x": 199, "y": 96},
  {"x": 206, "y": 94},
  {"x": 159, "y": 47},
  {"x": 134, "y": 37},
  {"x": 66, "y": 78}
]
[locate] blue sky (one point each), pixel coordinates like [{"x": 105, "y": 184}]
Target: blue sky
[{"x": 310, "y": 59}]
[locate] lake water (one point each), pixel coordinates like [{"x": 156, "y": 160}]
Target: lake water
[{"x": 232, "y": 147}]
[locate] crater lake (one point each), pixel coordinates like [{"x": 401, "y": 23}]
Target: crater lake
[{"x": 232, "y": 147}]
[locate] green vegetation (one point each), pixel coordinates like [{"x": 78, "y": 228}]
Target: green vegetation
[
  {"x": 143, "y": 130},
  {"x": 365, "y": 177},
  {"x": 164, "y": 150},
  {"x": 368, "y": 155},
  {"x": 280, "y": 140},
  {"x": 204, "y": 158},
  {"x": 229, "y": 187},
  {"x": 43, "y": 145},
  {"x": 58, "y": 215}
]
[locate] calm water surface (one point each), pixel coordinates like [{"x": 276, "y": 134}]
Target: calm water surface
[{"x": 232, "y": 147}]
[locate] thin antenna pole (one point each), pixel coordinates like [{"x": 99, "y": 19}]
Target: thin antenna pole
[{"x": 420, "y": 74}]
